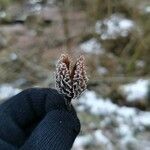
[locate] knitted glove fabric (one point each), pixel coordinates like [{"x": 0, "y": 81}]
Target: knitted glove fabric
[{"x": 37, "y": 119}]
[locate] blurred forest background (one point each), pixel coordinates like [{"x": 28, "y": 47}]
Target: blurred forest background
[{"x": 113, "y": 35}]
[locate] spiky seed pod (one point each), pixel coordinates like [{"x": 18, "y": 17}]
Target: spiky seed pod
[
  {"x": 79, "y": 79},
  {"x": 69, "y": 82},
  {"x": 63, "y": 81}
]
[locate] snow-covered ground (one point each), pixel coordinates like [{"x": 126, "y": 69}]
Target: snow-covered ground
[
  {"x": 118, "y": 125},
  {"x": 135, "y": 91},
  {"x": 92, "y": 46},
  {"x": 7, "y": 91},
  {"x": 104, "y": 107},
  {"x": 114, "y": 26},
  {"x": 147, "y": 9},
  {"x": 102, "y": 70},
  {"x": 96, "y": 138}
]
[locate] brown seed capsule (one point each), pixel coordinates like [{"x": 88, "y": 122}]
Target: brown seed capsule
[{"x": 71, "y": 83}]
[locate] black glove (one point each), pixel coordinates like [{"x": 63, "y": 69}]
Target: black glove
[{"x": 37, "y": 119}]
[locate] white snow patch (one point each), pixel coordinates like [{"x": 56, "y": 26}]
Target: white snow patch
[
  {"x": 126, "y": 112},
  {"x": 92, "y": 46},
  {"x": 13, "y": 56},
  {"x": 114, "y": 26},
  {"x": 104, "y": 107},
  {"x": 7, "y": 91},
  {"x": 97, "y": 106},
  {"x": 124, "y": 131},
  {"x": 95, "y": 138},
  {"x": 135, "y": 91},
  {"x": 140, "y": 63},
  {"x": 2, "y": 14},
  {"x": 82, "y": 141},
  {"x": 122, "y": 122},
  {"x": 101, "y": 138},
  {"x": 142, "y": 119},
  {"x": 35, "y": 1},
  {"x": 102, "y": 70},
  {"x": 51, "y": 2},
  {"x": 147, "y": 9}
]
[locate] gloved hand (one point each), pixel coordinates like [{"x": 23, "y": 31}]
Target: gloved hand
[{"x": 37, "y": 119}]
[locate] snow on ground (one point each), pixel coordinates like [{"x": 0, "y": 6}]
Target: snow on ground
[
  {"x": 82, "y": 141},
  {"x": 2, "y": 14},
  {"x": 92, "y": 46},
  {"x": 140, "y": 63},
  {"x": 116, "y": 123},
  {"x": 13, "y": 56},
  {"x": 147, "y": 9},
  {"x": 102, "y": 70},
  {"x": 114, "y": 26},
  {"x": 7, "y": 91},
  {"x": 95, "y": 105},
  {"x": 125, "y": 123},
  {"x": 104, "y": 107},
  {"x": 96, "y": 138},
  {"x": 135, "y": 91}
]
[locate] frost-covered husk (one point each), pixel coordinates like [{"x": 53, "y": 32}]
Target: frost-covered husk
[{"x": 71, "y": 82}]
